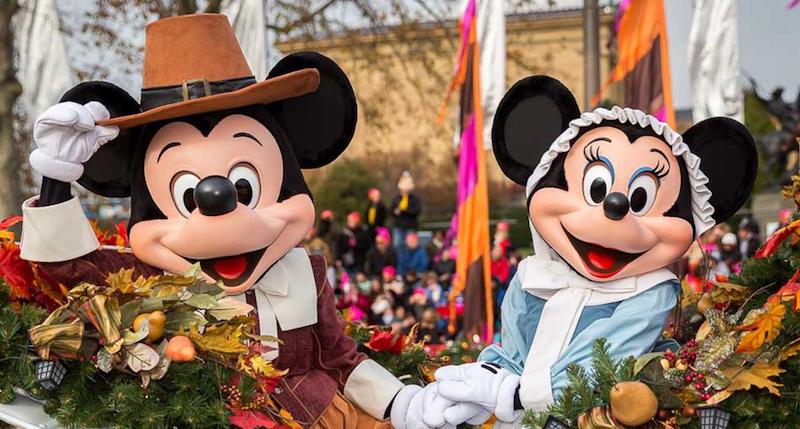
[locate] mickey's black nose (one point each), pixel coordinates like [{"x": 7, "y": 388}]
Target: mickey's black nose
[
  {"x": 615, "y": 205},
  {"x": 215, "y": 196}
]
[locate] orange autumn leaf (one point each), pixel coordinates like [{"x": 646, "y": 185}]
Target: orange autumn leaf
[
  {"x": 759, "y": 375},
  {"x": 765, "y": 329},
  {"x": 789, "y": 351}
]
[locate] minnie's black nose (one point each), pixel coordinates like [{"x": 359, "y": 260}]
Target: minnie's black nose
[
  {"x": 615, "y": 205},
  {"x": 215, "y": 196}
]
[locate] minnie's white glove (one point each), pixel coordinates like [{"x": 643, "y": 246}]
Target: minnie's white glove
[
  {"x": 484, "y": 384},
  {"x": 66, "y": 136},
  {"x": 415, "y": 407}
]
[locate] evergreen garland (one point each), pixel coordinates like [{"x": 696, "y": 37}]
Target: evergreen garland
[
  {"x": 586, "y": 389},
  {"x": 16, "y": 368},
  {"x": 187, "y": 397}
]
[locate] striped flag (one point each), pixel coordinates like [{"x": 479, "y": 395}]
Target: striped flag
[
  {"x": 643, "y": 58},
  {"x": 471, "y": 221}
]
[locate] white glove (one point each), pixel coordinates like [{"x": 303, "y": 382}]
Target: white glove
[
  {"x": 415, "y": 407},
  {"x": 484, "y": 384},
  {"x": 66, "y": 136}
]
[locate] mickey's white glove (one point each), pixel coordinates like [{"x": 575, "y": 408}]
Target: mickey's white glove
[
  {"x": 66, "y": 136},
  {"x": 484, "y": 384},
  {"x": 415, "y": 407}
]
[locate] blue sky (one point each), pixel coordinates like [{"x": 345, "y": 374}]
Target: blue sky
[{"x": 769, "y": 41}]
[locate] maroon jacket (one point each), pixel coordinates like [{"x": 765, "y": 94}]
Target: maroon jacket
[{"x": 319, "y": 358}]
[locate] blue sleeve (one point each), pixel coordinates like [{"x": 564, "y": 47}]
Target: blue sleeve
[
  {"x": 422, "y": 261},
  {"x": 402, "y": 258},
  {"x": 632, "y": 330},
  {"x": 520, "y": 314}
]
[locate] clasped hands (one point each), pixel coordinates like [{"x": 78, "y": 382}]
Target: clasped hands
[{"x": 468, "y": 393}]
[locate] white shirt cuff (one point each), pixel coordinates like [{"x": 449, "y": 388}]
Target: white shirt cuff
[
  {"x": 371, "y": 387},
  {"x": 55, "y": 233},
  {"x": 535, "y": 390}
]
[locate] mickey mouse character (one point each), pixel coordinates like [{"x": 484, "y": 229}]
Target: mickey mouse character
[
  {"x": 212, "y": 159},
  {"x": 614, "y": 197}
]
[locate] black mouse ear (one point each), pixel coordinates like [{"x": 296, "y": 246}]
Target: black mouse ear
[
  {"x": 320, "y": 124},
  {"x": 728, "y": 157},
  {"x": 108, "y": 171},
  {"x": 529, "y": 118}
]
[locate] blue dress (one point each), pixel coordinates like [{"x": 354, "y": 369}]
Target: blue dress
[{"x": 632, "y": 327}]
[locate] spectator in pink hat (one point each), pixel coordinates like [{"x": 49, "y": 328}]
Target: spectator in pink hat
[
  {"x": 382, "y": 255},
  {"x": 326, "y": 228}
]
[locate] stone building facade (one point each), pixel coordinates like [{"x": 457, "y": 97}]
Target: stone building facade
[{"x": 400, "y": 76}]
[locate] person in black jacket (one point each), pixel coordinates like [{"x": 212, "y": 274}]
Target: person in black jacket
[
  {"x": 445, "y": 268},
  {"x": 352, "y": 245},
  {"x": 406, "y": 208},
  {"x": 381, "y": 255},
  {"x": 375, "y": 213},
  {"x": 749, "y": 240}
]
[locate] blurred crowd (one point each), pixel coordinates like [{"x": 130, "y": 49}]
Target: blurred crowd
[
  {"x": 385, "y": 271},
  {"x": 719, "y": 252}
]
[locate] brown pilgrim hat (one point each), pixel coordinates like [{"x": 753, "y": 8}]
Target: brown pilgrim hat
[{"x": 193, "y": 64}]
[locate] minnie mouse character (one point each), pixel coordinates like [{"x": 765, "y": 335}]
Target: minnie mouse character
[
  {"x": 212, "y": 159},
  {"x": 614, "y": 197}
]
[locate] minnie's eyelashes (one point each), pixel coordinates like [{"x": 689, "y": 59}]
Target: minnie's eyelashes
[
  {"x": 591, "y": 153},
  {"x": 661, "y": 170}
]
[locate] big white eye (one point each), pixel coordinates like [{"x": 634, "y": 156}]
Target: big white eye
[
  {"x": 183, "y": 185},
  {"x": 642, "y": 194},
  {"x": 596, "y": 183},
  {"x": 248, "y": 187}
]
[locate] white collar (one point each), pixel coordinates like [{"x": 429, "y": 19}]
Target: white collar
[
  {"x": 278, "y": 303},
  {"x": 296, "y": 306},
  {"x": 544, "y": 277}
]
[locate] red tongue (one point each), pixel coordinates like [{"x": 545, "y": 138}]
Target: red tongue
[
  {"x": 230, "y": 268},
  {"x": 600, "y": 260}
]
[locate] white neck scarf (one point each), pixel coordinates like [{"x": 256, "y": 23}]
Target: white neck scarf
[
  {"x": 278, "y": 303},
  {"x": 567, "y": 294}
]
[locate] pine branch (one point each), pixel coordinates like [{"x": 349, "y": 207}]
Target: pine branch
[{"x": 584, "y": 390}]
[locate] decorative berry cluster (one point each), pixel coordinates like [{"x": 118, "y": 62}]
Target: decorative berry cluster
[
  {"x": 233, "y": 396},
  {"x": 683, "y": 362}
]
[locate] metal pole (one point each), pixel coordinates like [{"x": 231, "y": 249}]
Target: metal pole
[{"x": 591, "y": 51}]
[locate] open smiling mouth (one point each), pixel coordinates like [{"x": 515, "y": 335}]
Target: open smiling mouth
[
  {"x": 600, "y": 261},
  {"x": 232, "y": 270}
]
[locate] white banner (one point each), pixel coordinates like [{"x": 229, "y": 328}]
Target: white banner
[
  {"x": 247, "y": 19},
  {"x": 43, "y": 68},
  {"x": 492, "y": 44},
  {"x": 714, "y": 61}
]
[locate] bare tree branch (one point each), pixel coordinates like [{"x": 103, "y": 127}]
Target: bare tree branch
[
  {"x": 213, "y": 6},
  {"x": 303, "y": 19},
  {"x": 10, "y": 90},
  {"x": 186, "y": 7}
]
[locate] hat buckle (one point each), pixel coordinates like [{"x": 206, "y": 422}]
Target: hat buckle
[{"x": 185, "y": 88}]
